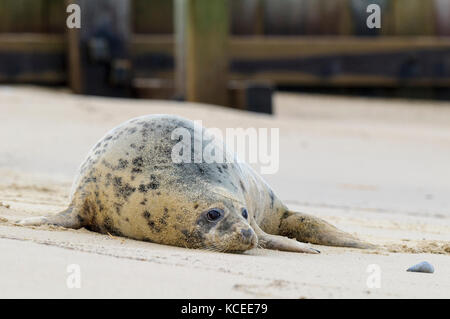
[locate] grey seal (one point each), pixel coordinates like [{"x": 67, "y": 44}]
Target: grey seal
[{"x": 130, "y": 186}]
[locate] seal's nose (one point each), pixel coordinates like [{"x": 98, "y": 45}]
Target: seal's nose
[
  {"x": 246, "y": 233},
  {"x": 248, "y": 238}
]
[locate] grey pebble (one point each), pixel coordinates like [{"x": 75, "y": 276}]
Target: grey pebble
[{"x": 422, "y": 267}]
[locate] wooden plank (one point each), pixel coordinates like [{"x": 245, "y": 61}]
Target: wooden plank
[
  {"x": 321, "y": 17},
  {"x": 285, "y": 47},
  {"x": 251, "y": 96},
  {"x": 148, "y": 88},
  {"x": 99, "y": 60},
  {"x": 413, "y": 17},
  {"x": 278, "y": 46},
  {"x": 311, "y": 17},
  {"x": 21, "y": 16},
  {"x": 75, "y": 76},
  {"x": 206, "y": 51},
  {"x": 247, "y": 17},
  {"x": 259, "y": 59},
  {"x": 180, "y": 48},
  {"x": 33, "y": 16},
  {"x": 54, "y": 16},
  {"x": 152, "y": 16},
  {"x": 353, "y": 61},
  {"x": 32, "y": 58},
  {"x": 244, "y": 95},
  {"x": 345, "y": 21},
  {"x": 332, "y": 16},
  {"x": 284, "y": 17},
  {"x": 442, "y": 13},
  {"x": 29, "y": 42}
]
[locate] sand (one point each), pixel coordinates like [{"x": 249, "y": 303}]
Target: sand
[{"x": 376, "y": 168}]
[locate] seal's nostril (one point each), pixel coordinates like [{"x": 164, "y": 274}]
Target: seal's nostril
[{"x": 247, "y": 233}]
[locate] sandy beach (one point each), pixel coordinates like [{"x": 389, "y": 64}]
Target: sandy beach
[{"x": 379, "y": 169}]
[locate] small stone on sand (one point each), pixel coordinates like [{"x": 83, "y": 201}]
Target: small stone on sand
[{"x": 422, "y": 267}]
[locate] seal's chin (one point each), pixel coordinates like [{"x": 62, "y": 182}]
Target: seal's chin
[
  {"x": 234, "y": 244},
  {"x": 238, "y": 239}
]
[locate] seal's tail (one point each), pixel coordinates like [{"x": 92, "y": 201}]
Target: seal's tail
[
  {"x": 67, "y": 218},
  {"x": 310, "y": 229}
]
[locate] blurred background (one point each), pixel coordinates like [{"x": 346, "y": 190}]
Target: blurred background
[{"x": 234, "y": 53}]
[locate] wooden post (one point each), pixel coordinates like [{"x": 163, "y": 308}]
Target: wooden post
[
  {"x": 247, "y": 17},
  {"x": 180, "y": 49},
  {"x": 152, "y": 16},
  {"x": 251, "y": 95},
  {"x": 442, "y": 14},
  {"x": 202, "y": 55},
  {"x": 99, "y": 58},
  {"x": 283, "y": 17},
  {"x": 21, "y": 16},
  {"x": 414, "y": 17}
]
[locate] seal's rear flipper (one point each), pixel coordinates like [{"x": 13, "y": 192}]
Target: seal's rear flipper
[
  {"x": 310, "y": 229},
  {"x": 68, "y": 218}
]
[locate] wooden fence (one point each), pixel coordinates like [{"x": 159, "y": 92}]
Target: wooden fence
[{"x": 295, "y": 42}]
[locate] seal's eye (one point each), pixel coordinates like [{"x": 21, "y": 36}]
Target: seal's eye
[
  {"x": 214, "y": 214},
  {"x": 244, "y": 213}
]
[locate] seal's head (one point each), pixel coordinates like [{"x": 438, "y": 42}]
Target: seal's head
[
  {"x": 221, "y": 222},
  {"x": 226, "y": 229}
]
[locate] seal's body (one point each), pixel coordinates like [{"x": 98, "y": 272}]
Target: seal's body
[{"x": 131, "y": 186}]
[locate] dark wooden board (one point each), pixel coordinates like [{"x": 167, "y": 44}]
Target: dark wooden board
[
  {"x": 152, "y": 16},
  {"x": 413, "y": 17},
  {"x": 284, "y": 17},
  {"x": 247, "y": 17},
  {"x": 32, "y": 16},
  {"x": 343, "y": 61},
  {"x": 32, "y": 58},
  {"x": 352, "y": 61}
]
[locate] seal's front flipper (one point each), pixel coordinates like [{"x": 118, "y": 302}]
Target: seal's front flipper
[
  {"x": 68, "y": 218},
  {"x": 310, "y": 229},
  {"x": 281, "y": 243}
]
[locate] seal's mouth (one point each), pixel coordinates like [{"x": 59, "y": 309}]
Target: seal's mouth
[
  {"x": 249, "y": 238},
  {"x": 242, "y": 241}
]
